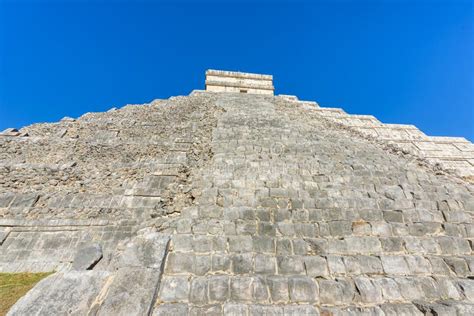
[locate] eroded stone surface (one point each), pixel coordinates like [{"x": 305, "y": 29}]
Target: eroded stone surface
[
  {"x": 69, "y": 293},
  {"x": 87, "y": 257},
  {"x": 252, "y": 205}
]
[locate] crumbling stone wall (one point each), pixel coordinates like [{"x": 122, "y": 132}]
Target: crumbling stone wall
[{"x": 97, "y": 179}]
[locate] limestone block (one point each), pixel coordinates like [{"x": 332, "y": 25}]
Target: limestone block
[
  {"x": 143, "y": 251},
  {"x": 62, "y": 293},
  {"x": 131, "y": 292},
  {"x": 234, "y": 309},
  {"x": 369, "y": 291},
  {"x": 199, "y": 290},
  {"x": 168, "y": 309},
  {"x": 335, "y": 292},
  {"x": 316, "y": 266},
  {"x": 87, "y": 257},
  {"x": 400, "y": 309},
  {"x": 395, "y": 265},
  {"x": 256, "y": 310},
  {"x": 25, "y": 200},
  {"x": 241, "y": 289},
  {"x": 296, "y": 310},
  {"x": 219, "y": 288},
  {"x": 174, "y": 289},
  {"x": 278, "y": 287},
  {"x": 302, "y": 289},
  {"x": 6, "y": 199},
  {"x": 178, "y": 263}
]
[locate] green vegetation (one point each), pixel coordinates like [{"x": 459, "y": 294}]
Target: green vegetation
[{"x": 15, "y": 285}]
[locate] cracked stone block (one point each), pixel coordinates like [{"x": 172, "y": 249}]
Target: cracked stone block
[
  {"x": 87, "y": 257},
  {"x": 259, "y": 289},
  {"x": 369, "y": 291},
  {"x": 390, "y": 289},
  {"x": 25, "y": 200}
]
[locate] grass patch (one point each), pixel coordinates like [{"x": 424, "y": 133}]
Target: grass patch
[{"x": 14, "y": 285}]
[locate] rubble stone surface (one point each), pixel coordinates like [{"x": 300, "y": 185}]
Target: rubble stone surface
[{"x": 237, "y": 204}]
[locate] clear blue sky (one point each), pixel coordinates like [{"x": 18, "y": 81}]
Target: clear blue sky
[{"x": 405, "y": 62}]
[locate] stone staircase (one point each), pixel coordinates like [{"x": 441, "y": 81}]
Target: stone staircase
[{"x": 278, "y": 211}]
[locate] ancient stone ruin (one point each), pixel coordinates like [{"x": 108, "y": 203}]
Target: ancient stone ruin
[
  {"x": 229, "y": 81},
  {"x": 235, "y": 201}
]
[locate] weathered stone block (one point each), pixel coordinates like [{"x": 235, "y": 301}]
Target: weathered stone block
[
  {"x": 218, "y": 288},
  {"x": 395, "y": 265},
  {"x": 240, "y": 244},
  {"x": 241, "y": 289},
  {"x": 178, "y": 262},
  {"x": 62, "y": 293},
  {"x": 290, "y": 265},
  {"x": 242, "y": 263},
  {"x": 171, "y": 309},
  {"x": 131, "y": 292},
  {"x": 369, "y": 292},
  {"x": 316, "y": 266},
  {"x": 335, "y": 292},
  {"x": 302, "y": 289},
  {"x": 265, "y": 264},
  {"x": 87, "y": 257},
  {"x": 199, "y": 290},
  {"x": 174, "y": 289}
]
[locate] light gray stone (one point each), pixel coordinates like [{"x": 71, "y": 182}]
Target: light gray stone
[
  {"x": 144, "y": 251},
  {"x": 62, "y": 293},
  {"x": 131, "y": 292},
  {"x": 218, "y": 288},
  {"x": 171, "y": 309},
  {"x": 369, "y": 292},
  {"x": 174, "y": 289},
  {"x": 87, "y": 257},
  {"x": 302, "y": 289},
  {"x": 335, "y": 292}
]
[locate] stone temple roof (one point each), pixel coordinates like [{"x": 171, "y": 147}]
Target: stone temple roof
[{"x": 238, "y": 204}]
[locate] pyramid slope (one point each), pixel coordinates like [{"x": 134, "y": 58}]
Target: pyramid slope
[{"x": 235, "y": 204}]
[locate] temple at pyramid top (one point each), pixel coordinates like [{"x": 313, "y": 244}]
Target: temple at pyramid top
[{"x": 240, "y": 82}]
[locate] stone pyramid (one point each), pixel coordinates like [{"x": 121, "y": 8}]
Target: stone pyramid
[{"x": 238, "y": 202}]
